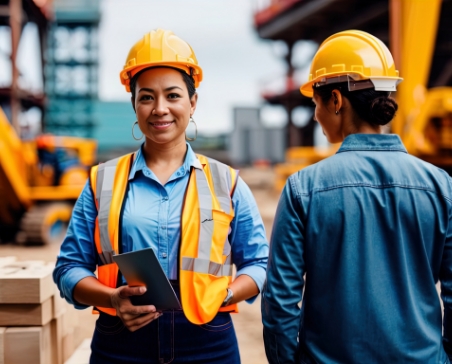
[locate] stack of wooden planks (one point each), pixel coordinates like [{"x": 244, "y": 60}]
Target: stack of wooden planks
[{"x": 36, "y": 324}]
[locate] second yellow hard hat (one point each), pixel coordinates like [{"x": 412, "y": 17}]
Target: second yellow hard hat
[
  {"x": 160, "y": 48},
  {"x": 353, "y": 55}
]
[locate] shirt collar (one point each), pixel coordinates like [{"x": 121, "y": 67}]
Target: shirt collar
[
  {"x": 190, "y": 160},
  {"x": 378, "y": 142}
]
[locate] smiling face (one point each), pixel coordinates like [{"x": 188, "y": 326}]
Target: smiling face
[{"x": 163, "y": 106}]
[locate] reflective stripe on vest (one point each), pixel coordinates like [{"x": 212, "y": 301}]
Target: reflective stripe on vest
[
  {"x": 105, "y": 178},
  {"x": 206, "y": 271},
  {"x": 202, "y": 263}
]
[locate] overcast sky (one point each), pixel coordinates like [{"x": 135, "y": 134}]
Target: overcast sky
[{"x": 235, "y": 61}]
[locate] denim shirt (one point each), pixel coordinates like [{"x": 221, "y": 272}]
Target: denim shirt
[
  {"x": 151, "y": 218},
  {"x": 361, "y": 239}
]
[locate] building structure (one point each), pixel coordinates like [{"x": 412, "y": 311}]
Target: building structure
[
  {"x": 15, "y": 98},
  {"x": 72, "y": 68},
  {"x": 416, "y": 31},
  {"x": 251, "y": 142},
  {"x": 393, "y": 21}
]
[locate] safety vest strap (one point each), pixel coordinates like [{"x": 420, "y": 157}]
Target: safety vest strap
[
  {"x": 205, "y": 207},
  {"x": 222, "y": 181},
  {"x": 104, "y": 187},
  {"x": 222, "y": 184},
  {"x": 205, "y": 254},
  {"x": 103, "y": 178}
]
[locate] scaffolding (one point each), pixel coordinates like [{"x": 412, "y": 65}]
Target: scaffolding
[
  {"x": 16, "y": 99},
  {"x": 72, "y": 68}
]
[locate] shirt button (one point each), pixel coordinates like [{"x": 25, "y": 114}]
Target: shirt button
[
  {"x": 178, "y": 173},
  {"x": 163, "y": 255},
  {"x": 165, "y": 198}
]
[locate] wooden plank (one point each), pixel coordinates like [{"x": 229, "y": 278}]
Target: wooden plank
[
  {"x": 59, "y": 304},
  {"x": 82, "y": 354},
  {"x": 25, "y": 345},
  {"x": 2, "y": 345},
  {"x": 78, "y": 338},
  {"x": 12, "y": 262},
  {"x": 7, "y": 260},
  {"x": 46, "y": 348},
  {"x": 25, "y": 282},
  {"x": 70, "y": 319},
  {"x": 56, "y": 327},
  {"x": 68, "y": 344},
  {"x": 37, "y": 314}
]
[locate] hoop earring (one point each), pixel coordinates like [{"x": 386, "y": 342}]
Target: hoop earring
[
  {"x": 133, "y": 135},
  {"x": 196, "y": 131}
]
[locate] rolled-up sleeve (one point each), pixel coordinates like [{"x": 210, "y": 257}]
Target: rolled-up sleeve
[
  {"x": 284, "y": 286},
  {"x": 248, "y": 239},
  {"x": 77, "y": 258}
]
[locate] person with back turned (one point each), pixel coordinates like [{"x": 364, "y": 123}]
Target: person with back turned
[
  {"x": 196, "y": 213},
  {"x": 360, "y": 238}
]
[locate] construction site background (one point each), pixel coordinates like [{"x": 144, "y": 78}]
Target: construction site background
[{"x": 50, "y": 134}]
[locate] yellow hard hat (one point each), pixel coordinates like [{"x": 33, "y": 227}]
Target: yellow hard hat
[
  {"x": 354, "y": 56},
  {"x": 160, "y": 48}
]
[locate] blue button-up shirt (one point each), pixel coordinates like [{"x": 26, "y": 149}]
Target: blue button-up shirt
[
  {"x": 370, "y": 232},
  {"x": 151, "y": 218}
]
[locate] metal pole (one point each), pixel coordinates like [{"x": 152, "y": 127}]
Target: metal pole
[
  {"x": 395, "y": 31},
  {"x": 15, "y": 22}
]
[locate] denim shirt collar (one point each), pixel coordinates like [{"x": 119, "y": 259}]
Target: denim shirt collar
[
  {"x": 140, "y": 163},
  {"x": 377, "y": 142}
]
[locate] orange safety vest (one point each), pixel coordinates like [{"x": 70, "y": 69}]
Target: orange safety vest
[{"x": 205, "y": 253}]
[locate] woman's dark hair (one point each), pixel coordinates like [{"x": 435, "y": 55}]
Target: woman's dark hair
[
  {"x": 375, "y": 107},
  {"x": 189, "y": 81}
]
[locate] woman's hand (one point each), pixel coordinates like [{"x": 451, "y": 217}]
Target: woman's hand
[
  {"x": 89, "y": 291},
  {"x": 133, "y": 317}
]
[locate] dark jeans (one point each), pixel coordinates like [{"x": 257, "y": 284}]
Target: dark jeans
[{"x": 169, "y": 339}]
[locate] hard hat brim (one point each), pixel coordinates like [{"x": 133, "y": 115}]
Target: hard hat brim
[
  {"x": 128, "y": 72},
  {"x": 377, "y": 83},
  {"x": 306, "y": 89}
]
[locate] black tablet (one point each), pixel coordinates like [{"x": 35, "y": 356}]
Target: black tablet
[{"x": 142, "y": 268}]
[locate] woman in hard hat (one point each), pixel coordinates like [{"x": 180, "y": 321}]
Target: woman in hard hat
[
  {"x": 366, "y": 233},
  {"x": 199, "y": 217}
]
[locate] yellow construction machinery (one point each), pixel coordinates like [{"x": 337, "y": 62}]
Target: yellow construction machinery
[
  {"x": 39, "y": 182},
  {"x": 424, "y": 119},
  {"x": 417, "y": 33}
]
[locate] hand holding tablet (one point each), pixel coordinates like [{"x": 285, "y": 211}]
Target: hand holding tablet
[{"x": 142, "y": 268}]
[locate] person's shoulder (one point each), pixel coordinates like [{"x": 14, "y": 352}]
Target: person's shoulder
[
  {"x": 113, "y": 160},
  {"x": 204, "y": 158},
  {"x": 438, "y": 177},
  {"x": 315, "y": 175},
  {"x": 424, "y": 165}
]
